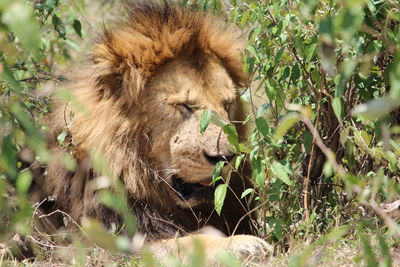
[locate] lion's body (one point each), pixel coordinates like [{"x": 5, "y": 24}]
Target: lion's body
[{"x": 133, "y": 115}]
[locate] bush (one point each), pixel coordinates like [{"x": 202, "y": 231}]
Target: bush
[{"x": 326, "y": 141}]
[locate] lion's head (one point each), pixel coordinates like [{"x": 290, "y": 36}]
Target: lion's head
[
  {"x": 148, "y": 83},
  {"x": 180, "y": 92}
]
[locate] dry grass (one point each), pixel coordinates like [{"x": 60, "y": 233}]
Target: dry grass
[{"x": 345, "y": 252}]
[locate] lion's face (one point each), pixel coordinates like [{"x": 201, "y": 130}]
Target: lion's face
[{"x": 175, "y": 99}]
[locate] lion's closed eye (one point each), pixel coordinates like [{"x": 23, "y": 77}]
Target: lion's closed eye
[{"x": 186, "y": 108}]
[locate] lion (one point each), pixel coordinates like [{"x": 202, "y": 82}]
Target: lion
[{"x": 144, "y": 88}]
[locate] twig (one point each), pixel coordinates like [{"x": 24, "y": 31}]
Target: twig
[
  {"x": 63, "y": 213},
  {"x": 43, "y": 244},
  {"x": 390, "y": 223},
  {"x": 324, "y": 149},
  {"x": 247, "y": 214},
  {"x": 311, "y": 160},
  {"x": 37, "y": 79}
]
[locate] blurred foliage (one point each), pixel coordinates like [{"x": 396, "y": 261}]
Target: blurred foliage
[
  {"x": 29, "y": 51},
  {"x": 324, "y": 101}
]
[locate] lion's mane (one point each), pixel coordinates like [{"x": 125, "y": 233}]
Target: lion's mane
[{"x": 109, "y": 86}]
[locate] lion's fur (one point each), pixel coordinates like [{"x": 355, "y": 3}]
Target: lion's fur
[{"x": 115, "y": 123}]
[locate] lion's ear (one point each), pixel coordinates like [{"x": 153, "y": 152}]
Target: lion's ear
[{"x": 119, "y": 67}]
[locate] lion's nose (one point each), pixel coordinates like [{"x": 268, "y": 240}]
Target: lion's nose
[{"x": 213, "y": 159}]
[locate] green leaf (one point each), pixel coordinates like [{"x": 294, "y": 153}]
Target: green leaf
[
  {"x": 244, "y": 148},
  {"x": 99, "y": 235},
  {"x": 19, "y": 18},
  {"x": 366, "y": 137},
  {"x": 337, "y": 105},
  {"x": 327, "y": 169},
  {"x": 77, "y": 27},
  {"x": 326, "y": 28},
  {"x": 217, "y": 171},
  {"x": 248, "y": 118},
  {"x": 238, "y": 160},
  {"x": 216, "y": 119},
  {"x": 219, "y": 197},
  {"x": 309, "y": 7},
  {"x": 348, "y": 66},
  {"x": 316, "y": 77},
  {"x": 34, "y": 136},
  {"x": 112, "y": 201},
  {"x": 278, "y": 29},
  {"x": 260, "y": 178},
  {"x": 24, "y": 181},
  {"x": 308, "y": 140},
  {"x": 252, "y": 6},
  {"x": 394, "y": 76},
  {"x": 295, "y": 73},
  {"x": 270, "y": 89},
  {"x": 311, "y": 52},
  {"x": 249, "y": 65},
  {"x": 61, "y": 137},
  {"x": 262, "y": 126},
  {"x": 262, "y": 109},
  {"x": 279, "y": 55},
  {"x": 227, "y": 258},
  {"x": 350, "y": 19},
  {"x": 51, "y": 5},
  {"x": 299, "y": 45},
  {"x": 253, "y": 52},
  {"x": 232, "y": 135},
  {"x": 385, "y": 251},
  {"x": 8, "y": 157},
  {"x": 8, "y": 76},
  {"x": 376, "y": 109},
  {"x": 276, "y": 225},
  {"x": 369, "y": 253},
  {"x": 59, "y": 26},
  {"x": 68, "y": 161},
  {"x": 198, "y": 255},
  {"x": 247, "y": 192},
  {"x": 124, "y": 244},
  {"x": 392, "y": 159},
  {"x": 244, "y": 18},
  {"x": 148, "y": 257},
  {"x": 205, "y": 120},
  {"x": 281, "y": 172},
  {"x": 284, "y": 74},
  {"x": 285, "y": 124},
  {"x": 349, "y": 148}
]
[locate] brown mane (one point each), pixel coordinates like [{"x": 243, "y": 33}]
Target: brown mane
[{"x": 154, "y": 34}]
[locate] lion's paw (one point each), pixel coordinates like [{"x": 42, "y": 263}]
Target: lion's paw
[
  {"x": 249, "y": 247},
  {"x": 246, "y": 247}
]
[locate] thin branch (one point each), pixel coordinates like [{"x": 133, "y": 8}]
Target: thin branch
[
  {"x": 310, "y": 163},
  {"x": 390, "y": 223},
  {"x": 324, "y": 149}
]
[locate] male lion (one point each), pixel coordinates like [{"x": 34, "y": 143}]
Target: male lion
[{"x": 147, "y": 83}]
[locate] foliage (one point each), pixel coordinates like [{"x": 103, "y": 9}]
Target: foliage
[
  {"x": 29, "y": 51},
  {"x": 323, "y": 100}
]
